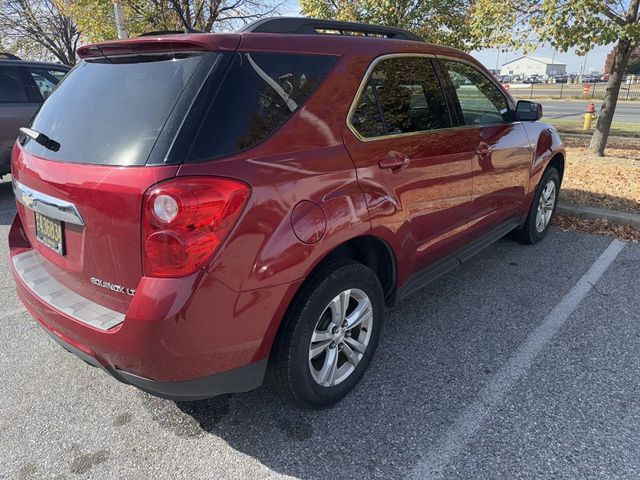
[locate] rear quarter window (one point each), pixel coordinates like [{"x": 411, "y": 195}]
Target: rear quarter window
[{"x": 258, "y": 95}]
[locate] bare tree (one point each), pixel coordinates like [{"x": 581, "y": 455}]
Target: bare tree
[
  {"x": 206, "y": 15},
  {"x": 37, "y": 28}
]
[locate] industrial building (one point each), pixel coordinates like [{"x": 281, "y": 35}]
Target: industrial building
[{"x": 528, "y": 65}]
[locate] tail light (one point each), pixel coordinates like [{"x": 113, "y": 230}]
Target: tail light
[{"x": 186, "y": 220}]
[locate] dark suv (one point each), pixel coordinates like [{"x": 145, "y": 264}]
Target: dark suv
[
  {"x": 23, "y": 87},
  {"x": 196, "y": 210}
]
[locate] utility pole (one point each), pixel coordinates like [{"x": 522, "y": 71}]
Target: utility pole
[
  {"x": 584, "y": 66},
  {"x": 117, "y": 11}
]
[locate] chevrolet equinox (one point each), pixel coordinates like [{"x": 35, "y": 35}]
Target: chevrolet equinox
[{"x": 196, "y": 210}]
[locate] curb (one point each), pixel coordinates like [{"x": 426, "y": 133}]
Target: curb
[
  {"x": 590, "y": 134},
  {"x": 595, "y": 213}
]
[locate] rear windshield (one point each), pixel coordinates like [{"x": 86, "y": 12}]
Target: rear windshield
[{"x": 110, "y": 111}]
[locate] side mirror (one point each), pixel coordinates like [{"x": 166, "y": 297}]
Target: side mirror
[{"x": 527, "y": 111}]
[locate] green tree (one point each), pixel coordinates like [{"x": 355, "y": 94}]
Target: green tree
[
  {"x": 437, "y": 21},
  {"x": 96, "y": 17},
  {"x": 212, "y": 15},
  {"x": 574, "y": 24}
]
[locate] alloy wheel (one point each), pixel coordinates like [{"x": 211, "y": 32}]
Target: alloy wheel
[
  {"x": 340, "y": 337},
  {"x": 546, "y": 203}
]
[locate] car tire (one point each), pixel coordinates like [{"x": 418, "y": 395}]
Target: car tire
[
  {"x": 315, "y": 362},
  {"x": 543, "y": 208}
]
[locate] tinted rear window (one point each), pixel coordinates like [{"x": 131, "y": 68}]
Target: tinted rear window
[
  {"x": 111, "y": 111},
  {"x": 260, "y": 92}
]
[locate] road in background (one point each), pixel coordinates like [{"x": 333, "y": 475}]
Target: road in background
[
  {"x": 468, "y": 368},
  {"x": 625, "y": 112}
]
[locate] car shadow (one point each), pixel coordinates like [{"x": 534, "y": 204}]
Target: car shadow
[
  {"x": 439, "y": 348},
  {"x": 7, "y": 203}
]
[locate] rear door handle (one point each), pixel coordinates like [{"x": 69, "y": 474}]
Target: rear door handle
[{"x": 394, "y": 161}]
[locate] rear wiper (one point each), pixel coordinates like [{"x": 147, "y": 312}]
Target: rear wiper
[{"x": 41, "y": 138}]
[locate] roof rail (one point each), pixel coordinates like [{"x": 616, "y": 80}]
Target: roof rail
[
  {"x": 318, "y": 26},
  {"x": 8, "y": 56}
]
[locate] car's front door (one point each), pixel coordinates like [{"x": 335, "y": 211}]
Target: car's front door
[
  {"x": 502, "y": 156},
  {"x": 411, "y": 165}
]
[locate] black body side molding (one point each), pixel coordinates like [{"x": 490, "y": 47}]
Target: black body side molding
[{"x": 444, "y": 265}]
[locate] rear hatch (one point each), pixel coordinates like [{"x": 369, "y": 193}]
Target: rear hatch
[{"x": 105, "y": 137}]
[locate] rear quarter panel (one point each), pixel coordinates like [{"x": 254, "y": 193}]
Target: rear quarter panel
[{"x": 305, "y": 160}]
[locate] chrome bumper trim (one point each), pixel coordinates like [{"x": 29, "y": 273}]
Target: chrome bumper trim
[
  {"x": 30, "y": 270},
  {"x": 47, "y": 205}
]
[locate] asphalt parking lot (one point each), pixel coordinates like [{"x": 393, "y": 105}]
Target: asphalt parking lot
[{"x": 523, "y": 363}]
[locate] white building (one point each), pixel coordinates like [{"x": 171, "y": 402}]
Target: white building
[{"x": 528, "y": 65}]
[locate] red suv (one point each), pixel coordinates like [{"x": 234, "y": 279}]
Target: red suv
[{"x": 195, "y": 210}]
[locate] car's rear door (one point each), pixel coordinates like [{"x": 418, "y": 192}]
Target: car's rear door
[
  {"x": 412, "y": 166},
  {"x": 42, "y": 80},
  {"x": 501, "y": 150},
  {"x": 16, "y": 108}
]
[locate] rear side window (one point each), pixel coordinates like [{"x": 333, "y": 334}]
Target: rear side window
[
  {"x": 481, "y": 102},
  {"x": 46, "y": 80},
  {"x": 409, "y": 95},
  {"x": 260, "y": 92},
  {"x": 110, "y": 111},
  {"x": 11, "y": 86}
]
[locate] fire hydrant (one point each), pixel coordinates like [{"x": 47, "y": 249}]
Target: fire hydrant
[{"x": 589, "y": 116}]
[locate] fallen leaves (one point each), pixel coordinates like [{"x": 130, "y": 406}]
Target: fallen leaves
[
  {"x": 601, "y": 227},
  {"x": 610, "y": 182}
]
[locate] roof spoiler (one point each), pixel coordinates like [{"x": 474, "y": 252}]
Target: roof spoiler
[{"x": 161, "y": 43}]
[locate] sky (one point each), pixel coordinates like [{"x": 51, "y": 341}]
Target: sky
[{"x": 594, "y": 59}]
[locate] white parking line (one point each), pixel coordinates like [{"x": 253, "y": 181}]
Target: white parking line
[
  {"x": 473, "y": 418},
  {"x": 11, "y": 313}
]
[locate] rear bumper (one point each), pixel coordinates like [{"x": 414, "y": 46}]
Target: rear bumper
[
  {"x": 186, "y": 338},
  {"x": 241, "y": 379}
]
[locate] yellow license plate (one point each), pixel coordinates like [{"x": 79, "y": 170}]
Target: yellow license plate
[{"x": 49, "y": 232}]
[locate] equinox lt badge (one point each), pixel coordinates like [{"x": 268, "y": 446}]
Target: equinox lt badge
[{"x": 112, "y": 286}]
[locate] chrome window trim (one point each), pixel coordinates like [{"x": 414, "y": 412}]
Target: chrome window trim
[
  {"x": 363, "y": 85},
  {"x": 365, "y": 80},
  {"x": 47, "y": 205}
]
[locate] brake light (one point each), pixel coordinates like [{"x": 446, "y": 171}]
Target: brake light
[{"x": 186, "y": 220}]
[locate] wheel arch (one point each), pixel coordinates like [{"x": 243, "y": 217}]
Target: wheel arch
[
  {"x": 557, "y": 161},
  {"x": 369, "y": 250}
]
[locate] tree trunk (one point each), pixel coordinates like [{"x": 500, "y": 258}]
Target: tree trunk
[{"x": 603, "y": 126}]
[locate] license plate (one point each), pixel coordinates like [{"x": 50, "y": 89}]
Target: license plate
[{"x": 49, "y": 232}]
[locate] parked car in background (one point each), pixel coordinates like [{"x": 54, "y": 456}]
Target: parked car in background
[
  {"x": 532, "y": 79},
  {"x": 592, "y": 78},
  {"x": 23, "y": 87},
  {"x": 196, "y": 209},
  {"x": 560, "y": 79}
]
